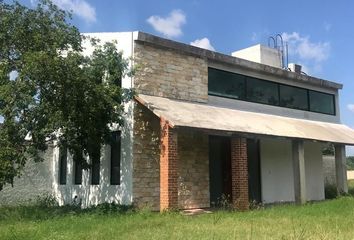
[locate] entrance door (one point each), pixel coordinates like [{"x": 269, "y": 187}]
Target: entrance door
[
  {"x": 254, "y": 178},
  {"x": 219, "y": 168}
]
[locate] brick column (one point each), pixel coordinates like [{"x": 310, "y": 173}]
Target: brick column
[
  {"x": 239, "y": 171},
  {"x": 168, "y": 167}
]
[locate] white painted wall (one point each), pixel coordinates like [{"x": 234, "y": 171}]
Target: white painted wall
[
  {"x": 314, "y": 171},
  {"x": 35, "y": 181},
  {"x": 260, "y": 54},
  {"x": 93, "y": 194},
  {"x": 277, "y": 171}
]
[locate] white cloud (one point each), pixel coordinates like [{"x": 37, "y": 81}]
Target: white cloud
[
  {"x": 305, "y": 49},
  {"x": 311, "y": 54},
  {"x": 80, "y": 8},
  {"x": 203, "y": 43},
  {"x": 327, "y": 26},
  {"x": 350, "y": 107},
  {"x": 169, "y": 26}
]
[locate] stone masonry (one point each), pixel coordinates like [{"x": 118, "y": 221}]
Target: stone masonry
[
  {"x": 167, "y": 73},
  {"x": 193, "y": 180},
  {"x": 239, "y": 173},
  {"x": 146, "y": 162}
]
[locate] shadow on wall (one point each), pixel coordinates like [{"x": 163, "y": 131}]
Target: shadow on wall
[{"x": 88, "y": 194}]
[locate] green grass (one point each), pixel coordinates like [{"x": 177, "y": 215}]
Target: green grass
[{"x": 332, "y": 219}]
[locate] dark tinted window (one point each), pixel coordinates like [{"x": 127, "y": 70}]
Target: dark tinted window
[
  {"x": 115, "y": 158},
  {"x": 293, "y": 97},
  {"x": 95, "y": 168},
  {"x": 77, "y": 168},
  {"x": 226, "y": 84},
  {"x": 321, "y": 102},
  {"x": 233, "y": 85},
  {"x": 62, "y": 165},
  {"x": 262, "y": 91}
]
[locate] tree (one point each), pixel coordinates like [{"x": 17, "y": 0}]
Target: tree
[{"x": 50, "y": 91}]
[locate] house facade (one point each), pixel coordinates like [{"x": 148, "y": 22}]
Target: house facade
[{"x": 206, "y": 126}]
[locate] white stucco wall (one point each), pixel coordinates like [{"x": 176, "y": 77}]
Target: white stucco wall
[
  {"x": 35, "y": 181},
  {"x": 260, "y": 54},
  {"x": 94, "y": 194},
  {"x": 277, "y": 171}
]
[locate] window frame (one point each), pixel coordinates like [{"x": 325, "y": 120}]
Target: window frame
[
  {"x": 63, "y": 165},
  {"x": 246, "y": 99},
  {"x": 115, "y": 168}
]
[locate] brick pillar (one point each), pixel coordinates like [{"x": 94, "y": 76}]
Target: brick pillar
[
  {"x": 239, "y": 171},
  {"x": 168, "y": 167}
]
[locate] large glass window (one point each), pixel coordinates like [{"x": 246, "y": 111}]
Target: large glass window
[
  {"x": 226, "y": 84},
  {"x": 262, "y": 91},
  {"x": 321, "y": 102},
  {"x": 293, "y": 97},
  {"x": 237, "y": 86}
]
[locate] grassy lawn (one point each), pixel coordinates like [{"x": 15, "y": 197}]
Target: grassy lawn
[{"x": 332, "y": 219}]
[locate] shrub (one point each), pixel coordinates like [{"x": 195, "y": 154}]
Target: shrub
[{"x": 330, "y": 191}]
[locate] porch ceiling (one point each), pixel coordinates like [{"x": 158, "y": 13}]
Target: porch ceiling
[{"x": 204, "y": 116}]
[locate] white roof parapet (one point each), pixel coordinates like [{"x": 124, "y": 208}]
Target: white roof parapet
[{"x": 207, "y": 117}]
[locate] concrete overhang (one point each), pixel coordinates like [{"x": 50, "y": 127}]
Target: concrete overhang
[
  {"x": 182, "y": 114},
  {"x": 216, "y": 57}
]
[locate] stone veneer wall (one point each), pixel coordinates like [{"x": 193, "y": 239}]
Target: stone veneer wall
[
  {"x": 170, "y": 74},
  {"x": 193, "y": 170},
  {"x": 35, "y": 181},
  {"x": 146, "y": 159}
]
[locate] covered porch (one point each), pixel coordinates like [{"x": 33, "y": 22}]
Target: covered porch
[{"x": 187, "y": 178}]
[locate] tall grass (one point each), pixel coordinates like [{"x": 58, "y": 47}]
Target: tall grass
[{"x": 332, "y": 219}]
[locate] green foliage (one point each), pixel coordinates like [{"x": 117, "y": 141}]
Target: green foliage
[
  {"x": 350, "y": 163},
  {"x": 330, "y": 191},
  {"x": 328, "y": 149},
  {"x": 55, "y": 92}
]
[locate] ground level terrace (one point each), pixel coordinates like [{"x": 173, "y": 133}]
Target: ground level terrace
[{"x": 268, "y": 159}]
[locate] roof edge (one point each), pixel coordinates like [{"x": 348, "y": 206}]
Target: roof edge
[{"x": 230, "y": 60}]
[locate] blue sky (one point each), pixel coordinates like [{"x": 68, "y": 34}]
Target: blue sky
[{"x": 320, "y": 33}]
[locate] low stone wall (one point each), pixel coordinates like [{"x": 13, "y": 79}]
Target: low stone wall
[
  {"x": 35, "y": 181},
  {"x": 329, "y": 170}
]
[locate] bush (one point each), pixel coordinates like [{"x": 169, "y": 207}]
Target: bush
[{"x": 330, "y": 191}]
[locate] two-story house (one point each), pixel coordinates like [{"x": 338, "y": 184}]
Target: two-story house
[{"x": 206, "y": 125}]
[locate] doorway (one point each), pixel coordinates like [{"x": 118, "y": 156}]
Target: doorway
[
  {"x": 219, "y": 169},
  {"x": 254, "y": 170}
]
